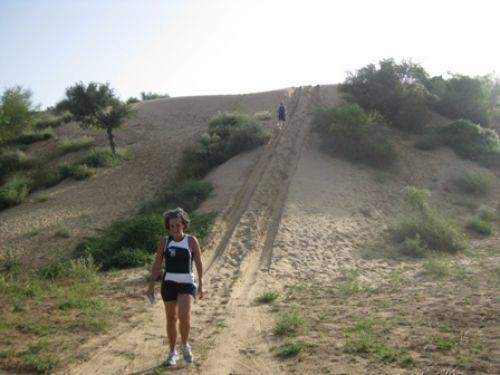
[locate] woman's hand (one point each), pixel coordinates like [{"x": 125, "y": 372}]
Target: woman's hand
[{"x": 150, "y": 290}]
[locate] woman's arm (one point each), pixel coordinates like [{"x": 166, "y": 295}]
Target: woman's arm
[
  {"x": 156, "y": 269},
  {"x": 195, "y": 248}
]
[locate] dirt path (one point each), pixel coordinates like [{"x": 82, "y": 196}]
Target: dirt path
[{"x": 241, "y": 251}]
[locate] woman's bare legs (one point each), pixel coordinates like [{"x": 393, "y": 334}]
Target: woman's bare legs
[
  {"x": 184, "y": 303},
  {"x": 171, "y": 312}
]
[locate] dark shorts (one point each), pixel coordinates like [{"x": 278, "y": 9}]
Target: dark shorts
[
  {"x": 170, "y": 290},
  {"x": 281, "y": 118}
]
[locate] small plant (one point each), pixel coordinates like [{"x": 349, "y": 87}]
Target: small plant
[
  {"x": 288, "y": 324},
  {"x": 444, "y": 343},
  {"x": 414, "y": 247},
  {"x": 290, "y": 350},
  {"x": 100, "y": 157},
  {"x": 62, "y": 232},
  {"x": 33, "y": 136},
  {"x": 267, "y": 297},
  {"x": 13, "y": 160},
  {"x": 487, "y": 213},
  {"x": 478, "y": 183},
  {"x": 82, "y": 172},
  {"x": 479, "y": 226}
]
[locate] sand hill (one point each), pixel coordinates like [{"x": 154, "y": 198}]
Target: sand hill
[{"x": 292, "y": 220}]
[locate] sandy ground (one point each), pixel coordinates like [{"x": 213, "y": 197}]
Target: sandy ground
[{"x": 295, "y": 220}]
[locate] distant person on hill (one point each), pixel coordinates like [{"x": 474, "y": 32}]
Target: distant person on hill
[
  {"x": 178, "y": 250},
  {"x": 281, "y": 115}
]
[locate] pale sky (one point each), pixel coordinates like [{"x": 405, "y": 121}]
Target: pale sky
[{"x": 198, "y": 47}]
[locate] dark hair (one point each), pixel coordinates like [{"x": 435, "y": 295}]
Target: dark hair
[{"x": 177, "y": 213}]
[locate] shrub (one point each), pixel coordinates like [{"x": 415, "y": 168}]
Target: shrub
[
  {"x": 228, "y": 135},
  {"x": 267, "y": 297},
  {"x": 71, "y": 145},
  {"x": 16, "y": 112},
  {"x": 290, "y": 350},
  {"x": 397, "y": 91},
  {"x": 100, "y": 157},
  {"x": 132, "y": 100},
  {"x": 82, "y": 172},
  {"x": 288, "y": 324},
  {"x": 478, "y": 183},
  {"x": 14, "y": 191},
  {"x": 487, "y": 213},
  {"x": 430, "y": 139},
  {"x": 421, "y": 227},
  {"x": 350, "y": 132},
  {"x": 263, "y": 115},
  {"x": 471, "y": 98},
  {"x": 414, "y": 247},
  {"x": 125, "y": 243},
  {"x": 480, "y": 226},
  {"x": 12, "y": 160},
  {"x": 473, "y": 142}
]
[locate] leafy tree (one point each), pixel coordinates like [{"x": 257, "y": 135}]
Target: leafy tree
[
  {"x": 96, "y": 106},
  {"x": 16, "y": 112},
  {"x": 397, "y": 91}
]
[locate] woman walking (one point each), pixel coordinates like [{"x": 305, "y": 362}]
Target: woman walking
[{"x": 178, "y": 288}]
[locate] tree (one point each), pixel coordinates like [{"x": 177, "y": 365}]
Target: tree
[
  {"x": 16, "y": 112},
  {"x": 153, "y": 95},
  {"x": 96, "y": 106}
]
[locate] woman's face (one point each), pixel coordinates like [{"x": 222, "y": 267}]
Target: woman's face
[{"x": 176, "y": 227}]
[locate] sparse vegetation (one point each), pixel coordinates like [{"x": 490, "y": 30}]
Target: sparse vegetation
[
  {"x": 13, "y": 160},
  {"x": 66, "y": 290},
  {"x": 292, "y": 349},
  {"x": 422, "y": 228},
  {"x": 288, "y": 324},
  {"x": 267, "y": 297},
  {"x": 348, "y": 131},
  {"x": 480, "y": 226}
]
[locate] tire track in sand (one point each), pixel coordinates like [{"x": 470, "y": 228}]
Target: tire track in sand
[{"x": 243, "y": 347}]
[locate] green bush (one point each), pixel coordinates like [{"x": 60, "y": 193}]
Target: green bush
[
  {"x": 397, "y": 91},
  {"x": 471, "y": 141},
  {"x": 77, "y": 171},
  {"x": 422, "y": 227},
  {"x": 228, "y": 135},
  {"x": 16, "y": 113},
  {"x": 430, "y": 139},
  {"x": 480, "y": 226},
  {"x": 349, "y": 132},
  {"x": 125, "y": 243},
  {"x": 478, "y": 183},
  {"x": 471, "y": 98},
  {"x": 71, "y": 145},
  {"x": 263, "y": 115},
  {"x": 188, "y": 195},
  {"x": 153, "y": 95},
  {"x": 82, "y": 172},
  {"x": 15, "y": 191},
  {"x": 100, "y": 157},
  {"x": 12, "y": 160},
  {"x": 487, "y": 213}
]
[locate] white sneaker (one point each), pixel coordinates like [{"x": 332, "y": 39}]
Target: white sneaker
[
  {"x": 186, "y": 353},
  {"x": 172, "y": 358}
]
